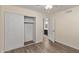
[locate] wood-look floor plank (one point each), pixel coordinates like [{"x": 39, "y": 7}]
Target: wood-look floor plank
[{"x": 45, "y": 47}]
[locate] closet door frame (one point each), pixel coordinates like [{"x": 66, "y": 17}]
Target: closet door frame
[{"x": 34, "y": 29}]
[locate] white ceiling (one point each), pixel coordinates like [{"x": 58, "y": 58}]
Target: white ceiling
[{"x": 40, "y": 8}]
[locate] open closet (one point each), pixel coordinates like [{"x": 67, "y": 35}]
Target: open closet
[
  {"x": 19, "y": 30},
  {"x": 29, "y": 30}
]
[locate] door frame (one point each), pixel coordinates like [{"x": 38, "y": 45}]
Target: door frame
[
  {"x": 53, "y": 27},
  {"x": 49, "y": 18},
  {"x": 34, "y": 29}
]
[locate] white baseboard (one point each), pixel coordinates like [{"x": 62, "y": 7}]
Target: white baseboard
[{"x": 67, "y": 44}]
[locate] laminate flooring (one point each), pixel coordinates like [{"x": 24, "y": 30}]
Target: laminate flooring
[{"x": 46, "y": 46}]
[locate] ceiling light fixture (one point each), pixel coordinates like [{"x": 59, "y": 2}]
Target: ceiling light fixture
[{"x": 48, "y": 7}]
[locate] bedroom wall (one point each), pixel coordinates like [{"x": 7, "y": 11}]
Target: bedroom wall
[
  {"x": 67, "y": 27},
  {"x": 1, "y": 28}
]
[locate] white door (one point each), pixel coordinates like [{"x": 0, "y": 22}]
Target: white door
[
  {"x": 51, "y": 30},
  {"x": 14, "y": 31}
]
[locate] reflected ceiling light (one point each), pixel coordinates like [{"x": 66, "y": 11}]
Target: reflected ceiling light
[{"x": 48, "y": 7}]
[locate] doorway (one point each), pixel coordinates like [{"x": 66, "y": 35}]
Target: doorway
[
  {"x": 45, "y": 29},
  {"x": 49, "y": 28},
  {"x": 45, "y": 24},
  {"x": 29, "y": 30}
]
